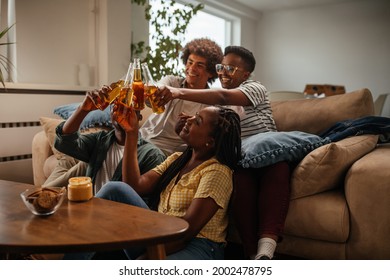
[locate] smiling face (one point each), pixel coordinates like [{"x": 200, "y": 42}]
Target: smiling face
[
  {"x": 238, "y": 76},
  {"x": 196, "y": 72},
  {"x": 198, "y": 130}
]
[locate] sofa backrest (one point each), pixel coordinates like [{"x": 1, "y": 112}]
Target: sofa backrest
[{"x": 317, "y": 115}]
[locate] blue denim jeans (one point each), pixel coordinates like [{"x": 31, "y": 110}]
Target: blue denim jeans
[
  {"x": 197, "y": 249},
  {"x": 365, "y": 125}
]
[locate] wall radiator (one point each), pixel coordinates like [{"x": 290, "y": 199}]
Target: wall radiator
[{"x": 20, "y": 110}]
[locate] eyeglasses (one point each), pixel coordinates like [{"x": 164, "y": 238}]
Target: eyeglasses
[{"x": 230, "y": 70}]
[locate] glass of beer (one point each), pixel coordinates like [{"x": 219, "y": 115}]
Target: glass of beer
[
  {"x": 138, "y": 87},
  {"x": 123, "y": 113},
  {"x": 151, "y": 89},
  {"x": 116, "y": 90}
]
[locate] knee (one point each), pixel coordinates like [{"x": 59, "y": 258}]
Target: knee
[{"x": 112, "y": 189}]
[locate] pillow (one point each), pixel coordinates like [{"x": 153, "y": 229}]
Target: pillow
[
  {"x": 324, "y": 168},
  {"x": 93, "y": 119},
  {"x": 271, "y": 147},
  {"x": 49, "y": 126}
]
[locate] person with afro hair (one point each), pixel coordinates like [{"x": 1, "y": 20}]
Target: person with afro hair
[{"x": 199, "y": 57}]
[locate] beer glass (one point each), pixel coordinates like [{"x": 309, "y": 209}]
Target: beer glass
[
  {"x": 116, "y": 89},
  {"x": 138, "y": 86},
  {"x": 151, "y": 89}
]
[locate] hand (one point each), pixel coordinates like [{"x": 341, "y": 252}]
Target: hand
[
  {"x": 126, "y": 117},
  {"x": 95, "y": 97},
  {"x": 181, "y": 122},
  {"x": 166, "y": 94}
]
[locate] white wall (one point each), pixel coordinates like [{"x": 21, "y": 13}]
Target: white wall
[
  {"x": 54, "y": 37},
  {"x": 19, "y": 110},
  {"x": 343, "y": 44}
]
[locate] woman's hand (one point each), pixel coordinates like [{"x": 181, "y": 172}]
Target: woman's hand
[
  {"x": 181, "y": 122},
  {"x": 126, "y": 117}
]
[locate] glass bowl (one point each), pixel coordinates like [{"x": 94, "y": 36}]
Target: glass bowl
[{"x": 43, "y": 201}]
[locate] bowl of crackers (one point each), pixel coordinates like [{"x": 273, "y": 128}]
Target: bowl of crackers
[{"x": 43, "y": 201}]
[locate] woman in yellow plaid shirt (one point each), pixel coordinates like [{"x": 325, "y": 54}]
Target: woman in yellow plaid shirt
[{"x": 195, "y": 185}]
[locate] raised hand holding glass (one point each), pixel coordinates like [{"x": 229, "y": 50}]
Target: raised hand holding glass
[{"x": 151, "y": 89}]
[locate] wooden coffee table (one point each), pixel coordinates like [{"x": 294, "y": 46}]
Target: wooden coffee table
[{"x": 95, "y": 225}]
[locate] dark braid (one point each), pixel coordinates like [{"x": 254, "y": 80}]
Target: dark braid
[{"x": 227, "y": 135}]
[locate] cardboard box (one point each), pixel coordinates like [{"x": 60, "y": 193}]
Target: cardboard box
[{"x": 326, "y": 89}]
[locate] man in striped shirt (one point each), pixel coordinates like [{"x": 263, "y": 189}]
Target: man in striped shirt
[{"x": 234, "y": 73}]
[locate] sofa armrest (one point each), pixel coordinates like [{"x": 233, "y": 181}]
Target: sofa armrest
[
  {"x": 367, "y": 190},
  {"x": 41, "y": 150}
]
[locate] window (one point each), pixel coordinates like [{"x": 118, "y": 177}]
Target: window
[
  {"x": 200, "y": 27},
  {"x": 217, "y": 31}
]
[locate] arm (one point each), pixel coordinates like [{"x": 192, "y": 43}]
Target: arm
[
  {"x": 199, "y": 213},
  {"x": 73, "y": 123},
  {"x": 212, "y": 195},
  {"x": 142, "y": 184},
  {"x": 205, "y": 96}
]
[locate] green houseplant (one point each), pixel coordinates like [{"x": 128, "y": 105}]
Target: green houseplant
[
  {"x": 5, "y": 63},
  {"x": 168, "y": 27}
]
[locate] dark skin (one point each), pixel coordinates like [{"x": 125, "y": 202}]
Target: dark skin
[
  {"x": 73, "y": 123},
  {"x": 228, "y": 95},
  {"x": 196, "y": 133},
  {"x": 196, "y": 78}
]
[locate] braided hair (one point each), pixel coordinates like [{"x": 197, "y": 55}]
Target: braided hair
[{"x": 227, "y": 135}]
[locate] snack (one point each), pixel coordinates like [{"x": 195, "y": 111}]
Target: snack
[{"x": 45, "y": 199}]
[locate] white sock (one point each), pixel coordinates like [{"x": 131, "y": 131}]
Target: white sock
[{"x": 265, "y": 247}]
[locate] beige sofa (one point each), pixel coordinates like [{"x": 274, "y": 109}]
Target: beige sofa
[
  {"x": 340, "y": 192},
  {"x": 340, "y": 196}
]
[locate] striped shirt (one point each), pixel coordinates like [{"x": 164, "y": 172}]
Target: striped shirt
[
  {"x": 159, "y": 129},
  {"x": 209, "y": 179},
  {"x": 257, "y": 117}
]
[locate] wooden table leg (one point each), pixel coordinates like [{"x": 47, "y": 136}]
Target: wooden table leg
[{"x": 156, "y": 252}]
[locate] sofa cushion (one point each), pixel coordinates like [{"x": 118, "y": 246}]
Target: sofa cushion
[
  {"x": 324, "y": 168},
  {"x": 367, "y": 191},
  {"x": 317, "y": 115},
  {"x": 49, "y": 126},
  {"x": 271, "y": 147},
  {"x": 323, "y": 216},
  {"x": 96, "y": 118}
]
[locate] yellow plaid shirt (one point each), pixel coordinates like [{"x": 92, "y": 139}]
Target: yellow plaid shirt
[{"x": 209, "y": 179}]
